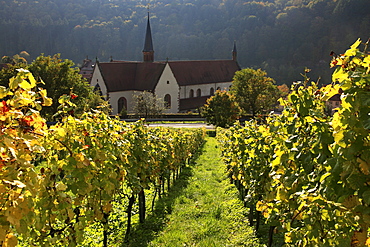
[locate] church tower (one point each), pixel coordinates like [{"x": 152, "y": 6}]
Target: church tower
[
  {"x": 234, "y": 52},
  {"x": 148, "y": 52}
]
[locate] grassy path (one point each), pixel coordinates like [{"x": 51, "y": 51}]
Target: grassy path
[{"x": 203, "y": 211}]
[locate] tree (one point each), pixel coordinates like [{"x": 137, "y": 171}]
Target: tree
[
  {"x": 254, "y": 91},
  {"x": 60, "y": 78},
  {"x": 221, "y": 109},
  {"x": 146, "y": 104}
]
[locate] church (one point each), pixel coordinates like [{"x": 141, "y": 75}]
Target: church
[{"x": 183, "y": 85}]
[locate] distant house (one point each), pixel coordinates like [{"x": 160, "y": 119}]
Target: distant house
[
  {"x": 333, "y": 103},
  {"x": 183, "y": 85},
  {"x": 87, "y": 69}
]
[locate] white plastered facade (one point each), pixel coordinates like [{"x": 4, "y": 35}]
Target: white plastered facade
[
  {"x": 167, "y": 85},
  {"x": 97, "y": 79},
  {"x": 204, "y": 88}
]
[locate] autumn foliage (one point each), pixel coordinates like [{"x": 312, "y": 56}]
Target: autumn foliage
[{"x": 56, "y": 181}]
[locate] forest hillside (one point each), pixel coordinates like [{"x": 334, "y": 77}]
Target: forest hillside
[{"x": 280, "y": 36}]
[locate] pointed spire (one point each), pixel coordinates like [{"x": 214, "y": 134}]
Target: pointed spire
[
  {"x": 234, "y": 51},
  {"x": 148, "y": 51}
]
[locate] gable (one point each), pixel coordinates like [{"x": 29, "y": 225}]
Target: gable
[{"x": 203, "y": 72}]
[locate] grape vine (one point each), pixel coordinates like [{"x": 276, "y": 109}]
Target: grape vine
[
  {"x": 306, "y": 172},
  {"x": 56, "y": 181}
]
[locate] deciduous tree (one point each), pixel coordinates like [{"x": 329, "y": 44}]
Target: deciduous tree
[
  {"x": 60, "y": 77},
  {"x": 221, "y": 109},
  {"x": 254, "y": 91},
  {"x": 146, "y": 104}
]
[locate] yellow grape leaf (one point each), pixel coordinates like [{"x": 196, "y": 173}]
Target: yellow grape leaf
[
  {"x": 287, "y": 237},
  {"x": 352, "y": 51},
  {"x": 338, "y": 138},
  {"x": 322, "y": 178},
  {"x": 368, "y": 242},
  {"x": 281, "y": 194},
  {"x": 260, "y": 206},
  {"x": 10, "y": 240},
  {"x": 330, "y": 91},
  {"x": 339, "y": 75},
  {"x": 60, "y": 132},
  {"x": 14, "y": 82},
  {"x": 47, "y": 102},
  {"x": 61, "y": 186},
  {"x": 366, "y": 60},
  {"x": 25, "y": 85},
  {"x": 31, "y": 79},
  {"x": 3, "y": 92}
]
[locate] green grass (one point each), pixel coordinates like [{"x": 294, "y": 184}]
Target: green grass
[{"x": 202, "y": 209}]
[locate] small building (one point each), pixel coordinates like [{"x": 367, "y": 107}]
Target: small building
[
  {"x": 87, "y": 69},
  {"x": 333, "y": 103},
  {"x": 183, "y": 85}
]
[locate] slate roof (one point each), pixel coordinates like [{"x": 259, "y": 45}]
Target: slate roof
[
  {"x": 203, "y": 72},
  {"x": 148, "y": 44},
  {"x": 122, "y": 76},
  {"x": 87, "y": 65},
  {"x": 336, "y": 97}
]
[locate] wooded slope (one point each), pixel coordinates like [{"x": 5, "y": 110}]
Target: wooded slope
[{"x": 280, "y": 36}]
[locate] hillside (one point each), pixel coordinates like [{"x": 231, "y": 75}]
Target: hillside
[{"x": 280, "y": 36}]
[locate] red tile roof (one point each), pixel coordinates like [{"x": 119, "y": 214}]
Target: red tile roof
[
  {"x": 192, "y": 103},
  {"x": 121, "y": 75},
  {"x": 203, "y": 72}
]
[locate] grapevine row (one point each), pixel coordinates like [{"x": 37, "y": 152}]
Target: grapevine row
[
  {"x": 57, "y": 181},
  {"x": 306, "y": 172}
]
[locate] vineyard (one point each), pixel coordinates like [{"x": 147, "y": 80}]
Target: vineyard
[
  {"x": 306, "y": 172},
  {"x": 59, "y": 181},
  {"x": 73, "y": 183}
]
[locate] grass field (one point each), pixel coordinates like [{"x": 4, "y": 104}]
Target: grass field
[{"x": 201, "y": 209}]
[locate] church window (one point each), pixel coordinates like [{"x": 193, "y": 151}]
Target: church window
[
  {"x": 212, "y": 91},
  {"x": 98, "y": 89},
  {"x": 199, "y": 92},
  {"x": 167, "y": 101},
  {"x": 218, "y": 88},
  {"x": 168, "y": 82},
  {"x": 191, "y": 93},
  {"x": 122, "y": 104}
]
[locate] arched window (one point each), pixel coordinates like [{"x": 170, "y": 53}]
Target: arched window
[
  {"x": 98, "y": 89},
  {"x": 191, "y": 93},
  {"x": 212, "y": 91},
  {"x": 218, "y": 88},
  {"x": 167, "y": 101},
  {"x": 122, "y": 104},
  {"x": 199, "y": 92}
]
